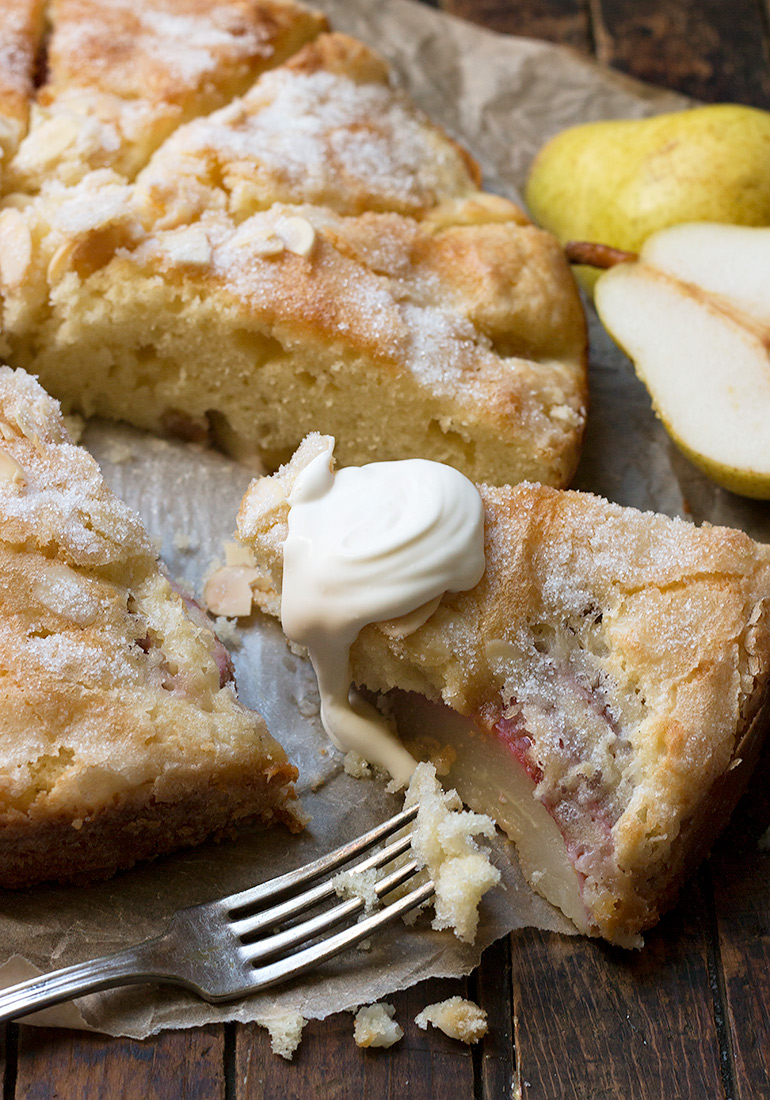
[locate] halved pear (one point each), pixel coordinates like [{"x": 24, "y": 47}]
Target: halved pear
[{"x": 693, "y": 314}]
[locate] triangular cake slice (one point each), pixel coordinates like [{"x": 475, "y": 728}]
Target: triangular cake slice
[
  {"x": 121, "y": 76},
  {"x": 316, "y": 255},
  {"x": 605, "y": 686},
  {"x": 122, "y": 734}
]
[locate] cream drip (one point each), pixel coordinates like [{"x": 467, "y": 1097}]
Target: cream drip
[{"x": 368, "y": 544}]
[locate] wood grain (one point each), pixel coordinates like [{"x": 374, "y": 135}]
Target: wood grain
[
  {"x": 705, "y": 48},
  {"x": 566, "y": 22},
  {"x": 72, "y": 1065},
  {"x": 490, "y": 987},
  {"x": 740, "y": 872},
  {"x": 421, "y": 1066},
  {"x": 597, "y": 1023}
]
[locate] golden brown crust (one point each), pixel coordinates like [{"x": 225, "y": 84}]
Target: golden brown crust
[
  {"x": 624, "y": 657},
  {"x": 122, "y": 76}
]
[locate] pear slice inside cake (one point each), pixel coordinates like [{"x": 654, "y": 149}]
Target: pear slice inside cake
[
  {"x": 122, "y": 734},
  {"x": 601, "y": 692}
]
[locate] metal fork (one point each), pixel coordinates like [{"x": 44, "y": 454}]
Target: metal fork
[{"x": 229, "y": 948}]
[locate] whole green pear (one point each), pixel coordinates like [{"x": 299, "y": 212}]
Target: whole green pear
[{"x": 616, "y": 182}]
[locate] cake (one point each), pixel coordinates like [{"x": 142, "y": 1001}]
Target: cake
[
  {"x": 123, "y": 737},
  {"x": 229, "y": 245},
  {"x": 456, "y": 1017},
  {"x": 601, "y": 692}
]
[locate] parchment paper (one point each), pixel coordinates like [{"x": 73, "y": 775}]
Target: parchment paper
[{"x": 502, "y": 97}]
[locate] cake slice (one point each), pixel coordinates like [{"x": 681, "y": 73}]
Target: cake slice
[
  {"x": 601, "y": 693},
  {"x": 121, "y": 76},
  {"x": 350, "y": 278},
  {"x": 122, "y": 734}
]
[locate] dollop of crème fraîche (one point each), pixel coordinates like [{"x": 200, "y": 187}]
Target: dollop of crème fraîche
[{"x": 368, "y": 544}]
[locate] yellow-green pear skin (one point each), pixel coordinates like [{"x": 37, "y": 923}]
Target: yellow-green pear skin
[{"x": 616, "y": 182}]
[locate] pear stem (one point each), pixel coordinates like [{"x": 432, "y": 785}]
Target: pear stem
[{"x": 596, "y": 255}]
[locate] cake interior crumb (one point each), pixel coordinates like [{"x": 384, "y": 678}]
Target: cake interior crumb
[
  {"x": 375, "y": 1026},
  {"x": 456, "y": 1017},
  {"x": 443, "y": 843},
  {"x": 285, "y": 1030}
]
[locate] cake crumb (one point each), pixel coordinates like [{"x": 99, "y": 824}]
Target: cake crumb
[
  {"x": 285, "y": 1030},
  {"x": 457, "y": 1018},
  {"x": 357, "y": 766},
  {"x": 443, "y": 843},
  {"x": 358, "y": 884},
  {"x": 375, "y": 1027},
  {"x": 227, "y": 631}
]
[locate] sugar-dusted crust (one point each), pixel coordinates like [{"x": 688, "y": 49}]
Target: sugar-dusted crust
[
  {"x": 122, "y": 734},
  {"x": 315, "y": 255},
  {"x": 21, "y": 30},
  {"x": 122, "y": 75},
  {"x": 621, "y": 658}
]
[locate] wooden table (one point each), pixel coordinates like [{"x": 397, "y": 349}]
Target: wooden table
[{"x": 688, "y": 1018}]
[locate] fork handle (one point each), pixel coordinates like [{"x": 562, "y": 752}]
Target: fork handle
[{"x": 136, "y": 964}]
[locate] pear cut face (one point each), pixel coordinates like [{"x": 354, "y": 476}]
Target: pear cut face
[
  {"x": 730, "y": 262},
  {"x": 694, "y": 316}
]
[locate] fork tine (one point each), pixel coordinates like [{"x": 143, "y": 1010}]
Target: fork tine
[
  {"x": 312, "y": 956},
  {"x": 310, "y": 871},
  {"x": 309, "y": 929},
  {"x": 265, "y": 918}
]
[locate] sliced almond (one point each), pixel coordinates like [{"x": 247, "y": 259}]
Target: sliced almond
[
  {"x": 261, "y": 240},
  {"x": 297, "y": 234},
  {"x": 228, "y": 591},
  {"x": 61, "y": 262},
  {"x": 187, "y": 246},
  {"x": 238, "y": 554},
  {"x": 62, "y": 591},
  {"x": 11, "y": 472}
]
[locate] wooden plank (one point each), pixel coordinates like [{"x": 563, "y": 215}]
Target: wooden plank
[
  {"x": 606, "y": 1024},
  {"x": 704, "y": 48},
  {"x": 422, "y": 1066},
  {"x": 8, "y": 1040},
  {"x": 563, "y": 21},
  {"x": 741, "y": 874},
  {"x": 71, "y": 1065},
  {"x": 490, "y": 986}
]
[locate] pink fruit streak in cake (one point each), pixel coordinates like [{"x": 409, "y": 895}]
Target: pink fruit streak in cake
[{"x": 512, "y": 732}]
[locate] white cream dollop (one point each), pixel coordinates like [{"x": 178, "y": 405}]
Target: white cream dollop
[{"x": 368, "y": 544}]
